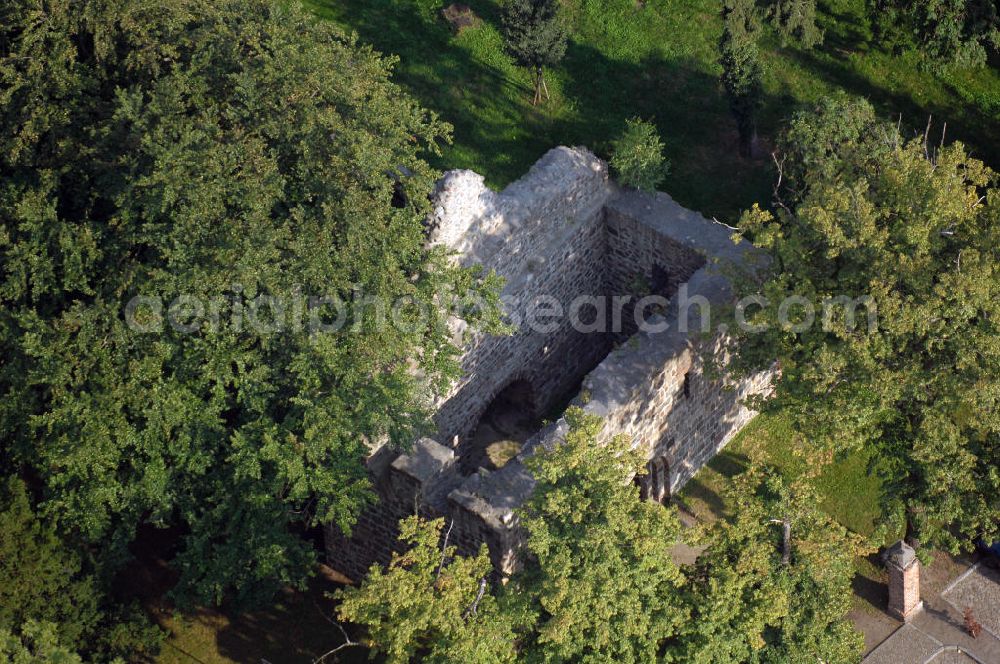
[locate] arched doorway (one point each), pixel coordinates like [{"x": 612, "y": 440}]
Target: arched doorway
[{"x": 509, "y": 420}]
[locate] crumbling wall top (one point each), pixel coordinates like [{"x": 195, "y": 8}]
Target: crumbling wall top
[{"x": 565, "y": 185}]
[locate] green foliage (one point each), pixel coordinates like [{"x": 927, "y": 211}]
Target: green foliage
[
  {"x": 599, "y": 582},
  {"x": 602, "y": 584},
  {"x": 534, "y": 32},
  {"x": 47, "y": 597},
  {"x": 39, "y": 644},
  {"x": 222, "y": 150},
  {"x": 42, "y": 580},
  {"x": 429, "y": 10},
  {"x": 868, "y": 214},
  {"x": 535, "y": 35},
  {"x": 747, "y": 605},
  {"x": 795, "y": 20},
  {"x": 946, "y": 33},
  {"x": 431, "y": 602},
  {"x": 637, "y": 156},
  {"x": 742, "y": 72},
  {"x": 819, "y": 143}
]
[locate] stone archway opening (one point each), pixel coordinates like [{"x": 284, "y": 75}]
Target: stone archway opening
[{"x": 510, "y": 420}]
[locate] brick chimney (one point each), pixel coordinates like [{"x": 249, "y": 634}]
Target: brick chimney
[{"x": 904, "y": 581}]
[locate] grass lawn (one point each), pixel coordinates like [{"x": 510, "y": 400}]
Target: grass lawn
[
  {"x": 847, "y": 492},
  {"x": 654, "y": 59}
]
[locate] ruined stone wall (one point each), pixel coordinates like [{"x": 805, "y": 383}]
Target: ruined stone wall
[
  {"x": 654, "y": 386},
  {"x": 419, "y": 481},
  {"x": 544, "y": 234},
  {"x": 642, "y": 261},
  {"x": 564, "y": 231}
]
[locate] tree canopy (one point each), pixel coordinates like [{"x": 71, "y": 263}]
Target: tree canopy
[
  {"x": 893, "y": 243},
  {"x": 599, "y": 582},
  {"x": 244, "y": 156},
  {"x": 755, "y": 596},
  {"x": 795, "y": 20},
  {"x": 945, "y": 33},
  {"x": 637, "y": 158},
  {"x": 432, "y": 602},
  {"x": 50, "y": 597}
]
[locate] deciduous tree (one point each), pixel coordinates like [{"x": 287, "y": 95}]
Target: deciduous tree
[
  {"x": 432, "y": 602},
  {"x": 894, "y": 243},
  {"x": 220, "y": 152},
  {"x": 795, "y": 20},
  {"x": 774, "y": 584},
  {"x": 37, "y": 642},
  {"x": 601, "y": 580},
  {"x": 637, "y": 158},
  {"x": 48, "y": 596},
  {"x": 944, "y": 33}
]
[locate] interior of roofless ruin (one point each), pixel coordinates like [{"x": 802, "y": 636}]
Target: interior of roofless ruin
[
  {"x": 516, "y": 414},
  {"x": 550, "y": 238}
]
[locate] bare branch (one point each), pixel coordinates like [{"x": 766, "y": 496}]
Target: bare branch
[
  {"x": 471, "y": 610},
  {"x": 348, "y": 642},
  {"x": 927, "y": 132},
  {"x": 780, "y": 165},
  {"x": 786, "y": 539},
  {"x": 444, "y": 549}
]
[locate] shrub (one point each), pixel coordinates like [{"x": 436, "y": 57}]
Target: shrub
[
  {"x": 637, "y": 156},
  {"x": 428, "y": 9}
]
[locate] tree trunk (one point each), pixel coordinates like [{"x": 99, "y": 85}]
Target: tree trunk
[
  {"x": 786, "y": 542},
  {"x": 538, "y": 87}
]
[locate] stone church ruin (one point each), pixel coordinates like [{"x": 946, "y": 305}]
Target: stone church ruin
[{"x": 563, "y": 232}]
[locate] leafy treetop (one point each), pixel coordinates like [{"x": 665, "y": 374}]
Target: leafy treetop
[
  {"x": 222, "y": 151},
  {"x": 900, "y": 239}
]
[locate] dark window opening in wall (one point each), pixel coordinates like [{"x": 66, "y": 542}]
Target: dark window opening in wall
[
  {"x": 660, "y": 282},
  {"x": 509, "y": 420},
  {"x": 687, "y": 385},
  {"x": 655, "y": 484}
]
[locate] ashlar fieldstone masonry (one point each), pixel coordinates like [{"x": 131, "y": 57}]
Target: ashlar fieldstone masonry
[{"x": 565, "y": 232}]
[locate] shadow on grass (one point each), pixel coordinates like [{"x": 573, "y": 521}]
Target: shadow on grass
[
  {"x": 295, "y": 628},
  {"x": 966, "y": 121},
  {"x": 472, "y": 84},
  {"x": 688, "y": 105},
  {"x": 869, "y": 583},
  {"x": 725, "y": 465}
]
